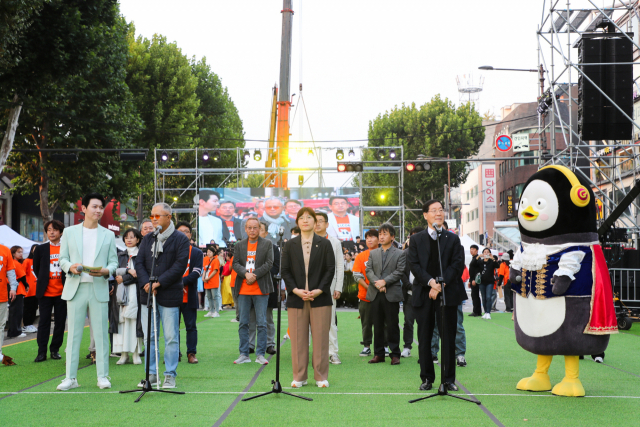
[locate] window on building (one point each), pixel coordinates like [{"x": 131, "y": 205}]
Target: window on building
[
  {"x": 477, "y": 216},
  {"x": 467, "y": 216},
  {"x": 518, "y": 188},
  {"x": 526, "y": 158},
  {"x": 32, "y": 227}
]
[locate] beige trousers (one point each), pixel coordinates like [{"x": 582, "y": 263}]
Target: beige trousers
[{"x": 319, "y": 318}]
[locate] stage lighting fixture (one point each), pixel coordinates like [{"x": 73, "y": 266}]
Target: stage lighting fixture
[
  {"x": 164, "y": 156},
  {"x": 175, "y": 199},
  {"x": 342, "y": 167},
  {"x": 310, "y": 153},
  {"x": 423, "y": 166},
  {"x": 374, "y": 213},
  {"x": 205, "y": 156},
  {"x": 410, "y": 167},
  {"x": 216, "y": 155},
  {"x": 64, "y": 157},
  {"x": 300, "y": 179},
  {"x": 382, "y": 197},
  {"x": 133, "y": 156},
  {"x": 350, "y": 167},
  {"x": 340, "y": 155},
  {"x": 381, "y": 154},
  {"x": 257, "y": 155},
  {"x": 392, "y": 154},
  {"x": 247, "y": 155},
  {"x": 352, "y": 153},
  {"x": 174, "y": 156}
]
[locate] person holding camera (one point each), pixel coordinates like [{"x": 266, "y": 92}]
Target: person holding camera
[
  {"x": 487, "y": 280},
  {"x": 425, "y": 265}
]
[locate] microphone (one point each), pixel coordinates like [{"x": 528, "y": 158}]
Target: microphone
[
  {"x": 281, "y": 231},
  {"x": 79, "y": 268},
  {"x": 158, "y": 230},
  {"x": 438, "y": 228}
]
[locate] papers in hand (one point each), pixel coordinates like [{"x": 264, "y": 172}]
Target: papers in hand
[{"x": 87, "y": 269}]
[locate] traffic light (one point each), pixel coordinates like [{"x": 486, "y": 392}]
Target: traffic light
[
  {"x": 350, "y": 167},
  {"x": 418, "y": 166}
]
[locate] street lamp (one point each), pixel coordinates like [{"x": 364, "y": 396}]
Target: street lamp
[{"x": 490, "y": 68}]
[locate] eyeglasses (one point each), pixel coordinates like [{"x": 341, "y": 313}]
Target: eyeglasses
[
  {"x": 158, "y": 216},
  {"x": 438, "y": 211}
]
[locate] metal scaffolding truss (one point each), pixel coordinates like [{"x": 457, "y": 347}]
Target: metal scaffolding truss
[
  {"x": 561, "y": 27},
  {"x": 233, "y": 177}
]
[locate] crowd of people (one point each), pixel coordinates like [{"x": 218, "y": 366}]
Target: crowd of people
[{"x": 79, "y": 274}]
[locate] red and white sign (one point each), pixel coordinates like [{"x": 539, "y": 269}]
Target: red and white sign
[
  {"x": 504, "y": 143},
  {"x": 488, "y": 188}
]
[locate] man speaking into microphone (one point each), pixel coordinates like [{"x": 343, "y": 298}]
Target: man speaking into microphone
[{"x": 427, "y": 291}]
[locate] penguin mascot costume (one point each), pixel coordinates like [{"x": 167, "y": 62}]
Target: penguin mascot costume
[{"x": 563, "y": 301}]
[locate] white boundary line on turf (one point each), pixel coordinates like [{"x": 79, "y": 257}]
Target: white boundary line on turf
[{"x": 319, "y": 393}]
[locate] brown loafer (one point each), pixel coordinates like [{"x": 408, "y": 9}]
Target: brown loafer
[
  {"x": 93, "y": 357},
  {"x": 395, "y": 360},
  {"x": 377, "y": 359},
  {"x": 7, "y": 361},
  {"x": 192, "y": 358}
]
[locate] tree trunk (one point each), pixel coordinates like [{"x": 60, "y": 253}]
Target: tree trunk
[
  {"x": 41, "y": 143},
  {"x": 7, "y": 141}
]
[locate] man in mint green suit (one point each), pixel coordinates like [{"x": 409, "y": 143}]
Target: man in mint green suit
[{"x": 88, "y": 245}]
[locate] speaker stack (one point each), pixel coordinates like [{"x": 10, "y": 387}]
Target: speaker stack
[{"x": 598, "y": 118}]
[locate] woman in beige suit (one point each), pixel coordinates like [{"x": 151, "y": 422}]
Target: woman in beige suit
[{"x": 308, "y": 266}]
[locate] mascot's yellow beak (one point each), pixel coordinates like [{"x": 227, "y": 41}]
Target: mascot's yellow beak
[{"x": 529, "y": 214}]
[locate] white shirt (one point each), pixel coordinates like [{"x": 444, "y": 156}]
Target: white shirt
[
  {"x": 432, "y": 232},
  {"x": 89, "y": 237},
  {"x": 210, "y": 228}
]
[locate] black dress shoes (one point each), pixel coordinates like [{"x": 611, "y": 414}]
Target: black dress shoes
[
  {"x": 55, "y": 355},
  {"x": 451, "y": 387},
  {"x": 426, "y": 386},
  {"x": 271, "y": 350},
  {"x": 41, "y": 358}
]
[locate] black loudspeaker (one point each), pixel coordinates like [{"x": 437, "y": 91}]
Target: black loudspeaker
[{"x": 598, "y": 118}]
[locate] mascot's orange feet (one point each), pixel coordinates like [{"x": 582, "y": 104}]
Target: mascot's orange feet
[
  {"x": 570, "y": 385},
  {"x": 539, "y": 381}
]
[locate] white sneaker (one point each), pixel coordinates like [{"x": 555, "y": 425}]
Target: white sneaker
[
  {"x": 103, "y": 382},
  {"x": 484, "y": 316},
  {"x": 334, "y": 359},
  {"x": 599, "y": 359},
  {"x": 123, "y": 359},
  {"x": 153, "y": 379},
  {"x": 286, "y": 337},
  {"x": 215, "y": 314},
  {"x": 387, "y": 351},
  {"x": 488, "y": 316},
  {"x": 322, "y": 384},
  {"x": 242, "y": 359},
  {"x": 406, "y": 352},
  {"x": 234, "y": 320},
  {"x": 136, "y": 358},
  {"x": 298, "y": 384},
  {"x": 32, "y": 329},
  {"x": 68, "y": 384},
  {"x": 22, "y": 335},
  {"x": 261, "y": 360},
  {"x": 208, "y": 314}
]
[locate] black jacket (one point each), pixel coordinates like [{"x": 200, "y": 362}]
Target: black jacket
[
  {"x": 322, "y": 266},
  {"x": 474, "y": 268},
  {"x": 127, "y": 280},
  {"x": 407, "y": 286},
  {"x": 488, "y": 271},
  {"x": 191, "y": 279},
  {"x": 275, "y": 269},
  {"x": 452, "y": 254},
  {"x": 41, "y": 263},
  {"x": 169, "y": 268},
  {"x": 238, "y": 229}
]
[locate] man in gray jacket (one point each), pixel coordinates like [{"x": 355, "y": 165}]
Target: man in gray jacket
[
  {"x": 384, "y": 271},
  {"x": 252, "y": 261}
]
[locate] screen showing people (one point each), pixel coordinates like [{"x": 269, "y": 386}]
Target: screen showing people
[{"x": 222, "y": 212}]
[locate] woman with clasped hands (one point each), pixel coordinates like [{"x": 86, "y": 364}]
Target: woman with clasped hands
[{"x": 308, "y": 265}]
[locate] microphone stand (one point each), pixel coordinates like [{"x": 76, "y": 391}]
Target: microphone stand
[
  {"x": 147, "y": 387},
  {"x": 277, "y": 387},
  {"x": 442, "y": 390}
]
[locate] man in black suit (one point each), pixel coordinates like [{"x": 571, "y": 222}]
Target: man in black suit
[
  {"x": 407, "y": 308},
  {"x": 49, "y": 286},
  {"x": 475, "y": 267},
  {"x": 425, "y": 266}
]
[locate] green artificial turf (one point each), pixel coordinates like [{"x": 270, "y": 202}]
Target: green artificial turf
[{"x": 359, "y": 393}]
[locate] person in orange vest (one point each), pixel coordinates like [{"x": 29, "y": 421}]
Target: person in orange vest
[
  {"x": 189, "y": 307},
  {"x": 17, "y": 306},
  {"x": 8, "y": 292}
]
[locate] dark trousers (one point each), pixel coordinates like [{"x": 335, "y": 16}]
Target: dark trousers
[
  {"x": 59, "y": 306},
  {"x": 30, "y": 309},
  {"x": 190, "y": 315},
  {"x": 409, "y": 319},
  {"x": 383, "y": 311},
  {"x": 475, "y": 299},
  {"x": 427, "y": 316},
  {"x": 15, "y": 317},
  {"x": 365, "y": 321},
  {"x": 508, "y": 296}
]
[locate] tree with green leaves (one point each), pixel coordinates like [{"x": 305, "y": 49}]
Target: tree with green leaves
[
  {"x": 436, "y": 129},
  {"x": 71, "y": 82}
]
